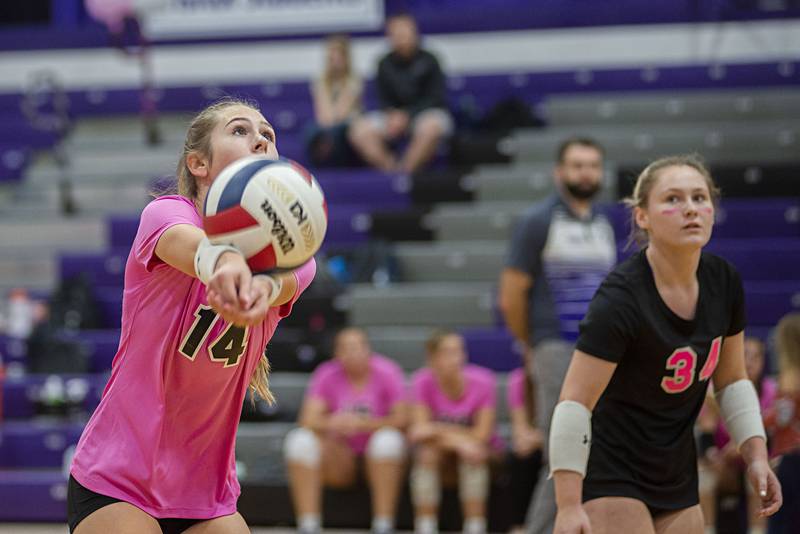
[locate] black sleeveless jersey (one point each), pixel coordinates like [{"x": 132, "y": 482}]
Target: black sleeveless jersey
[{"x": 642, "y": 427}]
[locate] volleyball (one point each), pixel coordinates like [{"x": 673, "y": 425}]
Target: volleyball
[{"x": 273, "y": 211}]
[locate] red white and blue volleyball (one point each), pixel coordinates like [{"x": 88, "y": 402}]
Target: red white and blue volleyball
[{"x": 273, "y": 211}]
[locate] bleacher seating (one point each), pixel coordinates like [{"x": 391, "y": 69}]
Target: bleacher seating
[{"x": 449, "y": 230}]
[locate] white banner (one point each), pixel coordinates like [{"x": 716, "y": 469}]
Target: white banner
[{"x": 177, "y": 19}]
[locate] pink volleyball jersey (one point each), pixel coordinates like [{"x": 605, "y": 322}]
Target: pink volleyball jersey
[
  {"x": 479, "y": 392},
  {"x": 515, "y": 391},
  {"x": 384, "y": 389},
  {"x": 163, "y": 435}
]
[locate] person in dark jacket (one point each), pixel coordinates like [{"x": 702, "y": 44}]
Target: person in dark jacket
[{"x": 411, "y": 90}]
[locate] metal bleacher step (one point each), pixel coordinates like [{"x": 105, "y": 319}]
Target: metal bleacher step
[
  {"x": 728, "y": 142},
  {"x": 259, "y": 447},
  {"x": 403, "y": 344},
  {"x": 489, "y": 221},
  {"x": 33, "y": 269},
  {"x": 126, "y": 132},
  {"x": 439, "y": 304},
  {"x": 56, "y": 234},
  {"x": 451, "y": 261},
  {"x": 529, "y": 181},
  {"x": 677, "y": 107},
  {"x": 112, "y": 165},
  {"x": 101, "y": 198}
]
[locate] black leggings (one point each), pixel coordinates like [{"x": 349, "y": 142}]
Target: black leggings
[{"x": 524, "y": 475}]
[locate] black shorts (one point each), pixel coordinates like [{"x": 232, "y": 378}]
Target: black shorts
[
  {"x": 81, "y": 502},
  {"x": 654, "y": 510}
]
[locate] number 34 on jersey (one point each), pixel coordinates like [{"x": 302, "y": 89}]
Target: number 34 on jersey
[{"x": 683, "y": 364}]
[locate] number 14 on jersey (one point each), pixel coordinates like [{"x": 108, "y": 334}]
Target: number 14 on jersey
[{"x": 228, "y": 347}]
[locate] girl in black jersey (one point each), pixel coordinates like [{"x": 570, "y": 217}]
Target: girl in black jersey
[{"x": 660, "y": 328}]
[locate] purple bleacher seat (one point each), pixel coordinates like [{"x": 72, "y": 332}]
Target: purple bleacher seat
[
  {"x": 292, "y": 145},
  {"x": 347, "y": 225},
  {"x": 14, "y": 157},
  {"x": 33, "y": 495},
  {"x": 100, "y": 345},
  {"x": 755, "y": 259},
  {"x": 122, "y": 230},
  {"x": 13, "y": 351},
  {"x": 20, "y": 393},
  {"x": 376, "y": 191},
  {"x": 18, "y": 130},
  {"x": 36, "y": 444},
  {"x": 761, "y": 259},
  {"x": 107, "y": 269},
  {"x": 756, "y": 217},
  {"x": 109, "y": 300},
  {"x": 779, "y": 217},
  {"x": 767, "y": 302},
  {"x": 492, "y": 348},
  {"x": 287, "y": 105}
]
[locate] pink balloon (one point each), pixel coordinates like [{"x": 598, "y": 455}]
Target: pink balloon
[{"x": 110, "y": 12}]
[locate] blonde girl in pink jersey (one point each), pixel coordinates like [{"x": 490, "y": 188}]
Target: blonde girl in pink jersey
[
  {"x": 452, "y": 426},
  {"x": 158, "y": 453}
]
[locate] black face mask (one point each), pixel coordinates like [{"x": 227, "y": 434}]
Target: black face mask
[{"x": 582, "y": 192}]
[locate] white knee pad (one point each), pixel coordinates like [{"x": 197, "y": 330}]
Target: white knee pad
[
  {"x": 425, "y": 487},
  {"x": 301, "y": 446},
  {"x": 386, "y": 444},
  {"x": 473, "y": 481}
]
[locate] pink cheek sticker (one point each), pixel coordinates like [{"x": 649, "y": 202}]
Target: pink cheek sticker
[
  {"x": 670, "y": 211},
  {"x": 707, "y": 210}
]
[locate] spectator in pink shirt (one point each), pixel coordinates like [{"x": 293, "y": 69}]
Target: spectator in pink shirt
[
  {"x": 355, "y": 410},
  {"x": 452, "y": 426}
]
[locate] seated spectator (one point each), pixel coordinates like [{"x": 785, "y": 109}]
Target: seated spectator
[
  {"x": 452, "y": 424},
  {"x": 783, "y": 425},
  {"x": 525, "y": 458},
  {"x": 724, "y": 485},
  {"x": 337, "y": 96},
  {"x": 411, "y": 89},
  {"x": 355, "y": 410}
]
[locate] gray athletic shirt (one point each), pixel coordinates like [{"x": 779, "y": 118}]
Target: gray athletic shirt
[{"x": 568, "y": 258}]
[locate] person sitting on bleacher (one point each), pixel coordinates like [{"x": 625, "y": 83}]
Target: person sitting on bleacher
[
  {"x": 355, "y": 409},
  {"x": 452, "y": 425},
  {"x": 411, "y": 90},
  {"x": 525, "y": 456},
  {"x": 337, "y": 96}
]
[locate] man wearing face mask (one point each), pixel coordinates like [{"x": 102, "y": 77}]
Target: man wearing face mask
[{"x": 560, "y": 251}]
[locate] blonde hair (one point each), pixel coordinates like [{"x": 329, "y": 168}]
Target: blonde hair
[
  {"x": 198, "y": 139},
  {"x": 787, "y": 342},
  {"x": 435, "y": 340},
  {"x": 647, "y": 180},
  {"x": 342, "y": 42}
]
